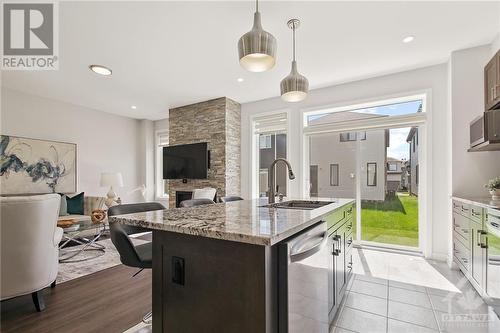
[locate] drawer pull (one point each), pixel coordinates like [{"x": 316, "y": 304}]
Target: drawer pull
[
  {"x": 475, "y": 213},
  {"x": 465, "y": 209}
]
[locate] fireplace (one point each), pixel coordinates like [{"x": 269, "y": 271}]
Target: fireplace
[{"x": 180, "y": 196}]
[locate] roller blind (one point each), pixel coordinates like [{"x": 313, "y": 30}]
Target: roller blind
[{"x": 271, "y": 124}]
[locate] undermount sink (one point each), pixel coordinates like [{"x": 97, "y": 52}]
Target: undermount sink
[{"x": 299, "y": 204}]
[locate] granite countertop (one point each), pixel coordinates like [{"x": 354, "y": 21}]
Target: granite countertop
[
  {"x": 241, "y": 221},
  {"x": 484, "y": 202}
]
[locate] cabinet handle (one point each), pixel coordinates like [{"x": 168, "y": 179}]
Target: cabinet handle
[
  {"x": 336, "y": 252},
  {"x": 465, "y": 260},
  {"x": 475, "y": 213},
  {"x": 465, "y": 209},
  {"x": 485, "y": 244}
]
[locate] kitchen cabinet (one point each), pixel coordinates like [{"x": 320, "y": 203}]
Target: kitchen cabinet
[
  {"x": 492, "y": 83},
  {"x": 476, "y": 247},
  {"x": 341, "y": 244}
]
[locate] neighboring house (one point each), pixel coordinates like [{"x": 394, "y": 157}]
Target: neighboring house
[
  {"x": 394, "y": 172},
  {"x": 413, "y": 167},
  {"x": 333, "y": 160}
]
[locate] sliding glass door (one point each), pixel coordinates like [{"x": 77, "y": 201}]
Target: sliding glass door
[
  {"x": 378, "y": 166},
  {"x": 389, "y": 187}
]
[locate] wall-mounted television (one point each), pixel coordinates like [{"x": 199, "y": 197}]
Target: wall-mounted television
[{"x": 186, "y": 161}]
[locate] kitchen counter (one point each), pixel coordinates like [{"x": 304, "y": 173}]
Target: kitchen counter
[
  {"x": 484, "y": 202},
  {"x": 242, "y": 221},
  {"x": 220, "y": 267}
]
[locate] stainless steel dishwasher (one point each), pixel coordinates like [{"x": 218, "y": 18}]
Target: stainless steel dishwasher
[{"x": 305, "y": 269}]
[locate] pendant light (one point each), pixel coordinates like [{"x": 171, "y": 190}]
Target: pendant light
[
  {"x": 294, "y": 87},
  {"x": 257, "y": 48}
]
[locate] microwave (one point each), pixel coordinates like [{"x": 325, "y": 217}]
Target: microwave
[{"x": 485, "y": 131}]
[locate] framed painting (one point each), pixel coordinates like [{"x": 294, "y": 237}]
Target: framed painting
[{"x": 33, "y": 166}]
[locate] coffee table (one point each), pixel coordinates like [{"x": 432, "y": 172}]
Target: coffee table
[{"x": 73, "y": 234}]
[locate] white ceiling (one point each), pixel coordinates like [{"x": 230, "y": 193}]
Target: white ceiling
[{"x": 169, "y": 54}]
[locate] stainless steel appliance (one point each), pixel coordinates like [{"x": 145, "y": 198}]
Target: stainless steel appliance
[
  {"x": 493, "y": 257},
  {"x": 305, "y": 274},
  {"x": 485, "y": 132}
]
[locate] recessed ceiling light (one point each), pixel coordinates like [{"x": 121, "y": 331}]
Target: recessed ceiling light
[
  {"x": 133, "y": 107},
  {"x": 408, "y": 39},
  {"x": 240, "y": 79},
  {"x": 101, "y": 70}
]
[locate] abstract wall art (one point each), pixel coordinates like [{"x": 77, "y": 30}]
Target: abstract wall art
[{"x": 32, "y": 166}]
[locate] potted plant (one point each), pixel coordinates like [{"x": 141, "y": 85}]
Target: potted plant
[{"x": 494, "y": 187}]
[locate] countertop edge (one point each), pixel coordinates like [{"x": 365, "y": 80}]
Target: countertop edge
[
  {"x": 236, "y": 237},
  {"x": 474, "y": 201}
]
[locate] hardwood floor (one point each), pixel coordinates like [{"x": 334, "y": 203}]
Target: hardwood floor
[{"x": 107, "y": 301}]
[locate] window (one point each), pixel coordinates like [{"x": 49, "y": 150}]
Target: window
[
  {"x": 371, "y": 174},
  {"x": 270, "y": 143},
  {"x": 334, "y": 175},
  {"x": 263, "y": 182},
  {"x": 352, "y": 136},
  {"x": 413, "y": 142},
  {"x": 393, "y": 167},
  {"x": 161, "y": 184},
  {"x": 265, "y": 141}
]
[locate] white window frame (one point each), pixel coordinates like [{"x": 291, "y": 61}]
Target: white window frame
[
  {"x": 421, "y": 119},
  {"x": 255, "y": 142},
  {"x": 159, "y": 182}
]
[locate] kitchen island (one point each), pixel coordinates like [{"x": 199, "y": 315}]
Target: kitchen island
[{"x": 216, "y": 268}]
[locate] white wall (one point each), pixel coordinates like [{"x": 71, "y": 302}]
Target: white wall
[
  {"x": 432, "y": 78},
  {"x": 470, "y": 171},
  {"x": 105, "y": 142}
]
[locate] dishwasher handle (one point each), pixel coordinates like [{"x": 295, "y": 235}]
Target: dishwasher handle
[{"x": 298, "y": 256}]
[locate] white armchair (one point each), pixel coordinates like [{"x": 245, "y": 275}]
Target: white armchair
[
  {"x": 29, "y": 245},
  {"x": 205, "y": 193}
]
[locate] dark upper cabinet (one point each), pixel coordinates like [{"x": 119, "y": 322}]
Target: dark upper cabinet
[{"x": 492, "y": 83}]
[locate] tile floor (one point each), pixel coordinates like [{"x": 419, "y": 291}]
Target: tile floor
[{"x": 398, "y": 293}]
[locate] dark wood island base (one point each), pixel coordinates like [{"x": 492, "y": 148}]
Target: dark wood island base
[{"x": 210, "y": 285}]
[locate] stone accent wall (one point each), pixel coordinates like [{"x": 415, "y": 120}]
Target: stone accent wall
[{"x": 217, "y": 122}]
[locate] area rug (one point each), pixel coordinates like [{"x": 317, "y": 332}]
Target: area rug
[{"x": 110, "y": 258}]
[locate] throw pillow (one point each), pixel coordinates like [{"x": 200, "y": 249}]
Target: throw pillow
[
  {"x": 63, "y": 207},
  {"x": 75, "y": 204}
]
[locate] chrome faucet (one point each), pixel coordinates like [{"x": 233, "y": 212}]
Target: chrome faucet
[{"x": 271, "y": 180}]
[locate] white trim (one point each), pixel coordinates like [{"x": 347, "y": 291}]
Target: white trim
[{"x": 159, "y": 195}]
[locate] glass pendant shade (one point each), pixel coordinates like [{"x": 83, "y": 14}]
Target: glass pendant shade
[
  {"x": 257, "y": 48},
  {"x": 294, "y": 87}
]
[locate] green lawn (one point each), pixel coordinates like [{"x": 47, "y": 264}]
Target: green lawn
[{"x": 393, "y": 221}]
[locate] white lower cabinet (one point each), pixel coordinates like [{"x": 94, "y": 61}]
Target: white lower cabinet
[{"x": 470, "y": 250}]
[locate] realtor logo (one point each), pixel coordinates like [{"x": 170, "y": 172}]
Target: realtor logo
[{"x": 29, "y": 36}]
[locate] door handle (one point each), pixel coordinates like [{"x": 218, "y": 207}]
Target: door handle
[{"x": 310, "y": 251}]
